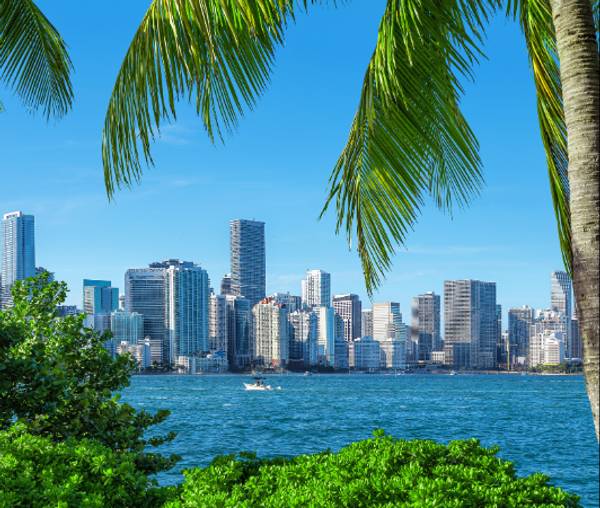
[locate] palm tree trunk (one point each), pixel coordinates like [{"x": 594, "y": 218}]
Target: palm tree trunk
[{"x": 580, "y": 77}]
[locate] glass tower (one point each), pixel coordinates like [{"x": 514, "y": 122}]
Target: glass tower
[
  {"x": 248, "y": 260},
  {"x": 18, "y": 251}
]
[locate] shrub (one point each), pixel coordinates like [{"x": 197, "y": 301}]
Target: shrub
[
  {"x": 57, "y": 379},
  {"x": 381, "y": 471},
  {"x": 37, "y": 471}
]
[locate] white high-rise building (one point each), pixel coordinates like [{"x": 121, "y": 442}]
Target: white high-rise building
[
  {"x": 270, "y": 340},
  {"x": 326, "y": 336},
  {"x": 349, "y": 308},
  {"x": 561, "y": 300},
  {"x": 316, "y": 288},
  {"x": 217, "y": 323},
  {"x": 303, "y": 337},
  {"x": 391, "y": 333},
  {"x": 546, "y": 348},
  {"x": 18, "y": 252},
  {"x": 127, "y": 327}
]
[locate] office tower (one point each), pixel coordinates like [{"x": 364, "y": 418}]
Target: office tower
[
  {"x": 145, "y": 294},
  {"x": 217, "y": 323},
  {"x": 18, "y": 252},
  {"x": 549, "y": 320},
  {"x": 239, "y": 331},
  {"x": 366, "y": 324},
  {"x": 561, "y": 300},
  {"x": 316, "y": 288},
  {"x": 292, "y": 302},
  {"x": 500, "y": 348},
  {"x": 127, "y": 327},
  {"x": 519, "y": 327},
  {"x": 425, "y": 330},
  {"x": 546, "y": 348},
  {"x": 325, "y": 336},
  {"x": 387, "y": 320},
  {"x": 303, "y": 338},
  {"x": 226, "y": 287},
  {"x": 186, "y": 308},
  {"x": 270, "y": 341},
  {"x": 99, "y": 297},
  {"x": 470, "y": 323},
  {"x": 248, "y": 260},
  {"x": 349, "y": 308},
  {"x": 365, "y": 354}
]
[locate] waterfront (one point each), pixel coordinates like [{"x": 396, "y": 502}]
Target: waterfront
[{"x": 541, "y": 423}]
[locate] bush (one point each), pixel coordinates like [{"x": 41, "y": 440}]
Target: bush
[
  {"x": 36, "y": 471},
  {"x": 57, "y": 379},
  {"x": 382, "y": 471}
]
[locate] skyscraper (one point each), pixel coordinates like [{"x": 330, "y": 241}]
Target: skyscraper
[
  {"x": 391, "y": 333},
  {"x": 145, "y": 294},
  {"x": 325, "y": 335},
  {"x": 366, "y": 325},
  {"x": 292, "y": 302},
  {"x": 186, "y": 296},
  {"x": 248, "y": 259},
  {"x": 519, "y": 328},
  {"x": 217, "y": 323},
  {"x": 18, "y": 252},
  {"x": 316, "y": 288},
  {"x": 425, "y": 329},
  {"x": 99, "y": 297},
  {"x": 270, "y": 341},
  {"x": 303, "y": 338},
  {"x": 127, "y": 327},
  {"x": 239, "y": 331},
  {"x": 561, "y": 300},
  {"x": 226, "y": 288},
  {"x": 349, "y": 308},
  {"x": 470, "y": 323}
]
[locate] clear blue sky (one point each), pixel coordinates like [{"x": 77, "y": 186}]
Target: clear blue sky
[{"x": 275, "y": 169}]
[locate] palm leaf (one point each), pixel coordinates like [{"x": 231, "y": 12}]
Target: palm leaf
[
  {"x": 535, "y": 17},
  {"x": 217, "y": 53},
  {"x": 409, "y": 139},
  {"x": 33, "y": 58}
]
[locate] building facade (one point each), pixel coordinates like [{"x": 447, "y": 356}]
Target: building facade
[
  {"x": 217, "y": 323},
  {"x": 326, "y": 335},
  {"x": 470, "y": 324},
  {"x": 520, "y": 320},
  {"x": 248, "y": 259},
  {"x": 425, "y": 329},
  {"x": 18, "y": 252},
  {"x": 239, "y": 331},
  {"x": 316, "y": 289},
  {"x": 349, "y": 308},
  {"x": 270, "y": 340},
  {"x": 127, "y": 327},
  {"x": 99, "y": 297},
  {"x": 303, "y": 338},
  {"x": 366, "y": 324}
]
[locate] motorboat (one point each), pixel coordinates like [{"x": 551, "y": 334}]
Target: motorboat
[
  {"x": 453, "y": 373},
  {"x": 258, "y": 385}
]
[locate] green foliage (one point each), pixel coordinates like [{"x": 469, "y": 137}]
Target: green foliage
[
  {"x": 33, "y": 58},
  {"x": 37, "y": 471},
  {"x": 382, "y": 471},
  {"x": 57, "y": 379}
]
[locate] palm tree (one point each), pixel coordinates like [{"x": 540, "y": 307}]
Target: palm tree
[{"x": 33, "y": 59}]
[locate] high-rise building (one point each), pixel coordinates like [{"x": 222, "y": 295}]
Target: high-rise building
[
  {"x": 99, "y": 297},
  {"x": 248, "y": 259},
  {"x": 316, "y": 288},
  {"x": 520, "y": 320},
  {"x": 366, "y": 323},
  {"x": 18, "y": 252},
  {"x": 561, "y": 300},
  {"x": 127, "y": 327},
  {"x": 291, "y": 302},
  {"x": 145, "y": 294},
  {"x": 270, "y": 340},
  {"x": 387, "y": 321},
  {"x": 217, "y": 323},
  {"x": 349, "y": 308},
  {"x": 470, "y": 323},
  {"x": 303, "y": 338},
  {"x": 239, "y": 331},
  {"x": 326, "y": 334},
  {"x": 425, "y": 329},
  {"x": 500, "y": 348},
  {"x": 226, "y": 286},
  {"x": 576, "y": 344},
  {"x": 546, "y": 348},
  {"x": 186, "y": 308}
]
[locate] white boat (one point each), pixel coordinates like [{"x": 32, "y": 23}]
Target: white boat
[
  {"x": 258, "y": 386},
  {"x": 453, "y": 373}
]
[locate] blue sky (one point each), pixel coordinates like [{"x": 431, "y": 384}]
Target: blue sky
[{"x": 275, "y": 169}]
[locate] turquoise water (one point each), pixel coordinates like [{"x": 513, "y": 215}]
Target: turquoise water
[{"x": 541, "y": 423}]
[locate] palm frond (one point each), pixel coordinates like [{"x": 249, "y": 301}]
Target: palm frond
[
  {"x": 34, "y": 59},
  {"x": 535, "y": 17},
  {"x": 409, "y": 139},
  {"x": 218, "y": 53}
]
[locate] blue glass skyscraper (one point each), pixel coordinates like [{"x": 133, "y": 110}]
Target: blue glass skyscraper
[{"x": 18, "y": 251}]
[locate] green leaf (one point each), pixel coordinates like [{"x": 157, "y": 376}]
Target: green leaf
[{"x": 33, "y": 58}]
